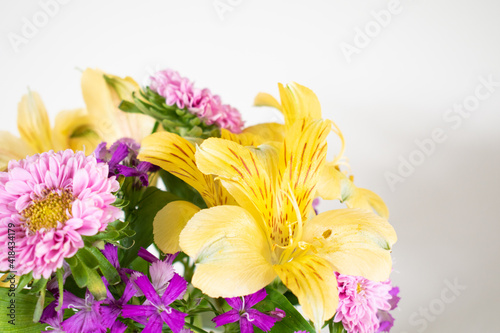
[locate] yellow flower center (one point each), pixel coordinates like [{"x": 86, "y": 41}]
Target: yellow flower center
[
  {"x": 46, "y": 212},
  {"x": 359, "y": 288}
]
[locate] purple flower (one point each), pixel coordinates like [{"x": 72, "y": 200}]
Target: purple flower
[
  {"x": 118, "y": 327},
  {"x": 157, "y": 310},
  {"x": 111, "y": 308},
  {"x": 87, "y": 318},
  {"x": 248, "y": 317},
  {"x": 52, "y": 318},
  {"x": 121, "y": 158},
  {"x": 111, "y": 253},
  {"x": 385, "y": 318}
]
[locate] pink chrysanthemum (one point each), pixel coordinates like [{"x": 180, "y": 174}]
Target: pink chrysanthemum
[
  {"x": 48, "y": 202},
  {"x": 359, "y": 301},
  {"x": 180, "y": 91}
]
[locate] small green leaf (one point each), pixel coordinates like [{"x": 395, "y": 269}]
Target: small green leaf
[
  {"x": 87, "y": 258},
  {"x": 24, "y": 280},
  {"x": 38, "y": 285},
  {"x": 80, "y": 274},
  {"x": 95, "y": 285},
  {"x": 39, "y": 306}
]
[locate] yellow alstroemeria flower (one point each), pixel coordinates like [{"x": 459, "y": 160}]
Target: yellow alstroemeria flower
[
  {"x": 241, "y": 249},
  {"x": 103, "y": 94},
  {"x": 175, "y": 154},
  {"x": 298, "y": 102},
  {"x": 72, "y": 130}
]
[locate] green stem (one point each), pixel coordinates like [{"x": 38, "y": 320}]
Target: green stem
[{"x": 195, "y": 328}]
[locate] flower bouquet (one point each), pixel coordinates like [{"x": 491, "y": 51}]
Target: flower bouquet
[{"x": 155, "y": 209}]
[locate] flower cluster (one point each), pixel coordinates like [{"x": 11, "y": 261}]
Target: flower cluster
[
  {"x": 183, "y": 226},
  {"x": 180, "y": 91}
]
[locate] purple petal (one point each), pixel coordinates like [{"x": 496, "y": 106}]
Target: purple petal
[
  {"x": 154, "y": 325},
  {"x": 231, "y": 316},
  {"x": 235, "y": 303},
  {"x": 49, "y": 312},
  {"x": 72, "y": 301},
  {"x": 395, "y": 298},
  {"x": 111, "y": 253},
  {"x": 252, "y": 299},
  {"x": 101, "y": 152},
  {"x": 134, "y": 311},
  {"x": 174, "y": 319},
  {"x": 146, "y": 255},
  {"x": 118, "y": 327},
  {"x": 128, "y": 293},
  {"x": 261, "y": 320},
  {"x": 147, "y": 289},
  {"x": 109, "y": 314},
  {"x": 386, "y": 321},
  {"x": 127, "y": 171},
  {"x": 175, "y": 289},
  {"x": 246, "y": 326},
  {"x": 119, "y": 155}
]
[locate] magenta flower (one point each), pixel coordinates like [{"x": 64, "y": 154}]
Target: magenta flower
[
  {"x": 121, "y": 158},
  {"x": 87, "y": 318},
  {"x": 181, "y": 92},
  {"x": 110, "y": 251},
  {"x": 111, "y": 308},
  {"x": 157, "y": 310},
  {"x": 359, "y": 302},
  {"x": 242, "y": 311},
  {"x": 47, "y": 203},
  {"x": 385, "y": 318}
]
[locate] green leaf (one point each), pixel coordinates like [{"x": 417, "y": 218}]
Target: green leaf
[
  {"x": 24, "y": 280},
  {"x": 87, "y": 258},
  {"x": 107, "y": 269},
  {"x": 38, "y": 285},
  {"x": 95, "y": 285},
  {"x": 141, "y": 221},
  {"x": 130, "y": 107},
  {"x": 39, "y": 306},
  {"x": 293, "y": 321},
  {"x": 23, "y": 307},
  {"x": 80, "y": 274}
]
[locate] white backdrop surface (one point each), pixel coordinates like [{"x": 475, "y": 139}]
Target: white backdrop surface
[{"x": 390, "y": 74}]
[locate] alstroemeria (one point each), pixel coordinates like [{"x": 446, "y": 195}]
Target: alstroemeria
[
  {"x": 50, "y": 201},
  {"x": 241, "y": 249},
  {"x": 73, "y": 129},
  {"x": 298, "y": 102},
  {"x": 242, "y": 311},
  {"x": 157, "y": 310}
]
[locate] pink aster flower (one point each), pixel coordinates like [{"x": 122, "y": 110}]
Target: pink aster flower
[
  {"x": 48, "y": 202},
  {"x": 359, "y": 302},
  {"x": 180, "y": 91}
]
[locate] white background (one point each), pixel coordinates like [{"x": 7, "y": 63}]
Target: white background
[{"x": 394, "y": 91}]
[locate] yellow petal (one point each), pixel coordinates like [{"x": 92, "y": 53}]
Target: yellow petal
[
  {"x": 169, "y": 222},
  {"x": 232, "y": 253},
  {"x": 243, "y": 171},
  {"x": 33, "y": 122},
  {"x": 74, "y": 129},
  {"x": 267, "y": 131},
  {"x": 333, "y": 184},
  {"x": 302, "y": 158},
  {"x": 312, "y": 280},
  {"x": 7, "y": 283},
  {"x": 124, "y": 88},
  {"x": 102, "y": 102},
  {"x": 366, "y": 199},
  {"x": 12, "y": 148},
  {"x": 298, "y": 102},
  {"x": 264, "y": 99},
  {"x": 176, "y": 155},
  {"x": 355, "y": 241}
]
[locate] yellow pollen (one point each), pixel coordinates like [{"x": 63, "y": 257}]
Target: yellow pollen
[
  {"x": 46, "y": 212},
  {"x": 359, "y": 288}
]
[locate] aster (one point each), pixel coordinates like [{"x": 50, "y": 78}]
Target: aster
[
  {"x": 157, "y": 309},
  {"x": 242, "y": 311},
  {"x": 180, "y": 91},
  {"x": 50, "y": 201},
  {"x": 360, "y": 300}
]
